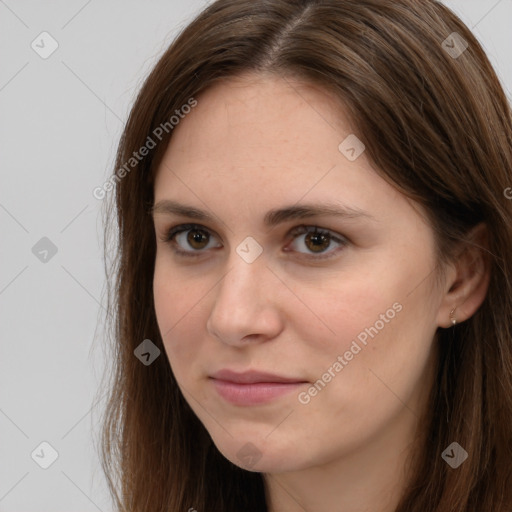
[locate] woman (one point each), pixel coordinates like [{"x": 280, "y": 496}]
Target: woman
[{"x": 313, "y": 306}]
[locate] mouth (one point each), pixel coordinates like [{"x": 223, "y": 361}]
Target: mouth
[{"x": 252, "y": 387}]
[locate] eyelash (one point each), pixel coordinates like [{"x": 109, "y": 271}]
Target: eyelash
[{"x": 297, "y": 231}]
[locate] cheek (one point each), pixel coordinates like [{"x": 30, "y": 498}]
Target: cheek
[
  {"x": 371, "y": 386},
  {"x": 380, "y": 358},
  {"x": 373, "y": 323},
  {"x": 178, "y": 308},
  {"x": 177, "y": 294},
  {"x": 349, "y": 308}
]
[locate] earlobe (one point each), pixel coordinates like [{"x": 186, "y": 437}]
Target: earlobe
[
  {"x": 453, "y": 319},
  {"x": 467, "y": 287}
]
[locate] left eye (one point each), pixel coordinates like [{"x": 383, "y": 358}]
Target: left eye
[{"x": 316, "y": 240}]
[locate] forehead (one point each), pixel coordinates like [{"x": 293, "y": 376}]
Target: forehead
[
  {"x": 256, "y": 115},
  {"x": 259, "y": 142}
]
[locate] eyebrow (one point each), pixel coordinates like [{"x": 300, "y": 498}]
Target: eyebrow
[{"x": 272, "y": 217}]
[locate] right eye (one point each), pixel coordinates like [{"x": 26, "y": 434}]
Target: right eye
[{"x": 192, "y": 234}]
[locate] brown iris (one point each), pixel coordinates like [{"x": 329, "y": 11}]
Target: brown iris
[
  {"x": 317, "y": 239},
  {"x": 197, "y": 236}
]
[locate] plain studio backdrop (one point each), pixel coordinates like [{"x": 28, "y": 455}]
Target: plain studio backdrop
[{"x": 68, "y": 77}]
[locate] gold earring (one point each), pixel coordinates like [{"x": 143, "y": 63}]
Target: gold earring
[{"x": 452, "y": 316}]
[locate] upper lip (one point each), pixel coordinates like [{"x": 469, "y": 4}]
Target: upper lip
[{"x": 251, "y": 377}]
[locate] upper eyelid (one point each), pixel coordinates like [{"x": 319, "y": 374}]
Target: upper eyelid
[{"x": 186, "y": 226}]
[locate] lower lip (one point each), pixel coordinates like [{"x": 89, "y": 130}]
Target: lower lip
[{"x": 253, "y": 394}]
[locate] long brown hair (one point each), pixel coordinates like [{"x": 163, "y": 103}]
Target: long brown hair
[{"x": 437, "y": 125}]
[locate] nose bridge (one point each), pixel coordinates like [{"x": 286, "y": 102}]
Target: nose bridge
[
  {"x": 243, "y": 282},
  {"x": 241, "y": 301}
]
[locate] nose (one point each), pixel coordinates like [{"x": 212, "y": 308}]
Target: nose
[{"x": 246, "y": 306}]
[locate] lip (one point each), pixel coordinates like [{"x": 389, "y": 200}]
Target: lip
[
  {"x": 252, "y": 387},
  {"x": 251, "y": 377}
]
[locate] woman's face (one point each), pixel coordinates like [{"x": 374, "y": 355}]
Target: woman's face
[{"x": 347, "y": 316}]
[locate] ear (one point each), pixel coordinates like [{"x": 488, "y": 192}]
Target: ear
[{"x": 468, "y": 279}]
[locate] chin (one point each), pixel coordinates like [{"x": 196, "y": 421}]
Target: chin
[{"x": 263, "y": 455}]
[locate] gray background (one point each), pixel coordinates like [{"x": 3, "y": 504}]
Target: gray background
[{"x": 61, "y": 118}]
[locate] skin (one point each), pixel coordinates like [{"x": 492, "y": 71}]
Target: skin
[{"x": 253, "y": 144}]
